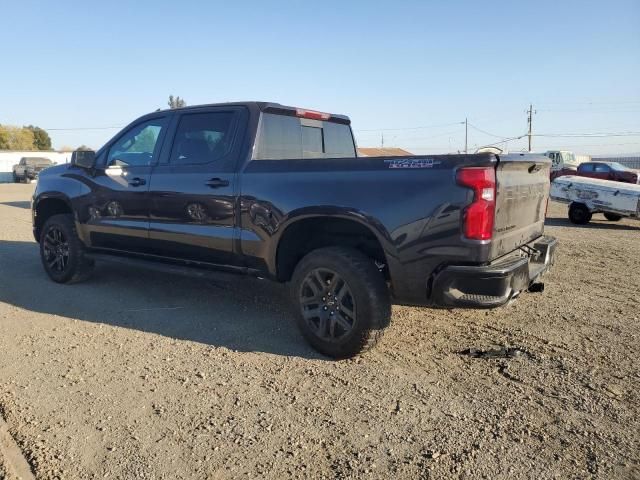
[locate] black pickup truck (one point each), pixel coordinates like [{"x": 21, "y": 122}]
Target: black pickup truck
[
  {"x": 29, "y": 167},
  {"x": 279, "y": 192}
]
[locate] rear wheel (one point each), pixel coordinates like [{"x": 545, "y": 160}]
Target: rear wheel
[
  {"x": 579, "y": 214},
  {"x": 62, "y": 252},
  {"x": 612, "y": 217},
  {"x": 342, "y": 301}
]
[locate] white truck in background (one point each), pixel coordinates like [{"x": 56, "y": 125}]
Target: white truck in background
[{"x": 564, "y": 162}]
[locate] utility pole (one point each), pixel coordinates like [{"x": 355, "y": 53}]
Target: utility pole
[
  {"x": 381, "y": 139},
  {"x": 530, "y": 113},
  {"x": 466, "y": 135}
]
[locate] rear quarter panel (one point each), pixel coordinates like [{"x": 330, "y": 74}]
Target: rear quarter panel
[{"x": 412, "y": 205}]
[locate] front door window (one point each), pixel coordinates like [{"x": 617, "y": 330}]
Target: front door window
[{"x": 137, "y": 147}]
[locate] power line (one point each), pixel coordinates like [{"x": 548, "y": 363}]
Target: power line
[
  {"x": 504, "y": 140},
  {"x": 404, "y": 139},
  {"x": 485, "y": 132},
  {"x": 595, "y": 145},
  {"x": 629, "y": 109},
  {"x": 409, "y": 128},
  {"x": 84, "y": 128},
  {"x": 619, "y": 102},
  {"x": 588, "y": 135}
]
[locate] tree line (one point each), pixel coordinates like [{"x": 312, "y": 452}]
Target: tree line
[
  {"x": 24, "y": 138},
  {"x": 35, "y": 138}
]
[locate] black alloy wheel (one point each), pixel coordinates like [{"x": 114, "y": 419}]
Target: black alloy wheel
[
  {"x": 61, "y": 251},
  {"x": 342, "y": 301},
  {"x": 327, "y": 304},
  {"x": 56, "y": 249}
]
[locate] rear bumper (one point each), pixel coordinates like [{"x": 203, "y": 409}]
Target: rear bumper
[{"x": 493, "y": 285}]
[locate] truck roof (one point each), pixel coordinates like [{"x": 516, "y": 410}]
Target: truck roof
[{"x": 266, "y": 107}]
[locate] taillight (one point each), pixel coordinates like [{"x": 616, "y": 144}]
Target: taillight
[
  {"x": 312, "y": 114},
  {"x": 478, "y": 217}
]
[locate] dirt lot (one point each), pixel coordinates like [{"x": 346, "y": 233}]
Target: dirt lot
[{"x": 133, "y": 374}]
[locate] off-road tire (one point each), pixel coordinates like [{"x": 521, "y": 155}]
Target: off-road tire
[
  {"x": 579, "y": 214},
  {"x": 612, "y": 217},
  {"x": 368, "y": 289},
  {"x": 78, "y": 267}
]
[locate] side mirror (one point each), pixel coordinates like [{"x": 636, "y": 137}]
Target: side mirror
[{"x": 83, "y": 158}]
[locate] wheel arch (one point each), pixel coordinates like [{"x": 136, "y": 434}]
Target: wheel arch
[
  {"x": 307, "y": 232},
  {"x": 46, "y": 206}
]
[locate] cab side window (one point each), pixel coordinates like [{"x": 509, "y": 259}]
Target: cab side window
[
  {"x": 139, "y": 146},
  {"x": 203, "y": 138}
]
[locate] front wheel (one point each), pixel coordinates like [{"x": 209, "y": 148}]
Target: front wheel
[
  {"x": 62, "y": 252},
  {"x": 612, "y": 217},
  {"x": 579, "y": 214},
  {"x": 342, "y": 301}
]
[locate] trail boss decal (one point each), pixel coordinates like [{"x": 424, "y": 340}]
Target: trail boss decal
[{"x": 412, "y": 163}]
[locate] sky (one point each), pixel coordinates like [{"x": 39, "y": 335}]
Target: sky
[{"x": 406, "y": 71}]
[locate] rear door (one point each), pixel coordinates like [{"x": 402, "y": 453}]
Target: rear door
[
  {"x": 118, "y": 199},
  {"x": 522, "y": 190},
  {"x": 194, "y": 188}
]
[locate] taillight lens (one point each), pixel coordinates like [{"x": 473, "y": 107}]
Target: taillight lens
[{"x": 478, "y": 217}]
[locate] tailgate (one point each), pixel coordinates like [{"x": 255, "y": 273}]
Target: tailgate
[{"x": 522, "y": 190}]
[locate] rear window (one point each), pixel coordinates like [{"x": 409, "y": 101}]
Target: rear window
[
  {"x": 282, "y": 137},
  {"x": 586, "y": 167}
]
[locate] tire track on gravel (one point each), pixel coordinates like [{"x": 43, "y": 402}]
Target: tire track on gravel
[{"x": 15, "y": 464}]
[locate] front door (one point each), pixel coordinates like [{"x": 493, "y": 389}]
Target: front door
[
  {"x": 117, "y": 215},
  {"x": 193, "y": 189},
  {"x": 602, "y": 171}
]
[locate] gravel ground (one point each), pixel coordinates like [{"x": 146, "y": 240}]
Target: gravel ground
[{"x": 133, "y": 374}]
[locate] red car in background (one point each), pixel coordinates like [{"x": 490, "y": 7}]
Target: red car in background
[{"x": 608, "y": 171}]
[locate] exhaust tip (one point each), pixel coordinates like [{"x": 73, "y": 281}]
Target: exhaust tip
[{"x": 537, "y": 287}]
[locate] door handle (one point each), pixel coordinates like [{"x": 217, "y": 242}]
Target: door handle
[
  {"x": 137, "y": 181},
  {"x": 218, "y": 182}
]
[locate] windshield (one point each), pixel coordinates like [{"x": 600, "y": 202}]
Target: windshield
[
  {"x": 619, "y": 166},
  {"x": 37, "y": 161},
  {"x": 569, "y": 159}
]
